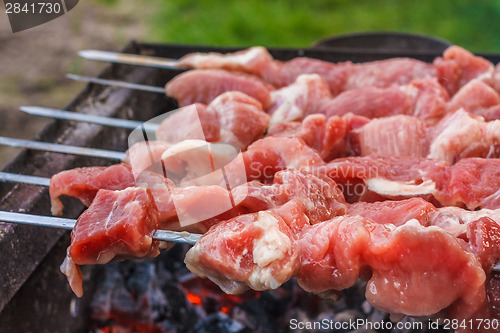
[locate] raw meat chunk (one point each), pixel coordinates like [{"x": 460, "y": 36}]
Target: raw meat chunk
[
  {"x": 385, "y": 73},
  {"x": 241, "y": 118},
  {"x": 146, "y": 155},
  {"x": 419, "y": 271},
  {"x": 473, "y": 96},
  {"x": 332, "y": 137},
  {"x": 203, "y": 86},
  {"x": 118, "y": 224},
  {"x": 472, "y": 182},
  {"x": 370, "y": 102},
  {"x": 319, "y": 195},
  {"x": 192, "y": 122},
  {"x": 255, "y": 251},
  {"x": 375, "y": 178},
  {"x": 331, "y": 254},
  {"x": 459, "y": 66},
  {"x": 393, "y": 136},
  {"x": 282, "y": 74},
  {"x": 83, "y": 183},
  {"x": 394, "y": 212},
  {"x": 252, "y": 60},
  {"x": 460, "y": 135},
  {"x": 297, "y": 100},
  {"x": 424, "y": 99},
  {"x": 267, "y": 156},
  {"x": 455, "y": 220}
]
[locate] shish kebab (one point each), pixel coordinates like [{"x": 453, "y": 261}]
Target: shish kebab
[{"x": 64, "y": 223}]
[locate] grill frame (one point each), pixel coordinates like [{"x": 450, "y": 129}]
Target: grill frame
[{"x": 30, "y": 254}]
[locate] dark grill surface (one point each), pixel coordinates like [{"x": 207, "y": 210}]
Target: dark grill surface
[{"x": 32, "y": 290}]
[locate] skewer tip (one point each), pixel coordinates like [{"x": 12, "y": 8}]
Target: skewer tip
[{"x": 88, "y": 54}]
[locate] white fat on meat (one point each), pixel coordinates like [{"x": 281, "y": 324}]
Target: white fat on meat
[
  {"x": 74, "y": 275},
  {"x": 461, "y": 132},
  {"x": 492, "y": 200},
  {"x": 272, "y": 246},
  {"x": 491, "y": 133},
  {"x": 454, "y": 220},
  {"x": 393, "y": 188},
  {"x": 268, "y": 261},
  {"x": 299, "y": 99}
]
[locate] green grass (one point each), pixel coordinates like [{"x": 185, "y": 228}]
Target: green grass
[{"x": 471, "y": 24}]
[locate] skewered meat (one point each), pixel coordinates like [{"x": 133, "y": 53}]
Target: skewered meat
[
  {"x": 118, "y": 224},
  {"x": 277, "y": 209},
  {"x": 395, "y": 212},
  {"x": 474, "y": 97},
  {"x": 83, "y": 183},
  {"x": 424, "y": 99},
  {"x": 267, "y": 156},
  {"x": 472, "y": 182},
  {"x": 282, "y": 74},
  {"x": 458, "y": 66},
  {"x": 196, "y": 208},
  {"x": 253, "y": 60},
  {"x": 420, "y": 271},
  {"x": 454, "y": 220},
  {"x": 321, "y": 198},
  {"x": 429, "y": 270},
  {"x": 339, "y": 77},
  {"x": 295, "y": 101},
  {"x": 193, "y": 122},
  {"x": 255, "y": 250},
  {"x": 385, "y": 73},
  {"x": 232, "y": 117},
  {"x": 203, "y": 86},
  {"x": 241, "y": 118},
  {"x": 458, "y": 135},
  {"x": 330, "y": 137},
  {"x": 146, "y": 155}
]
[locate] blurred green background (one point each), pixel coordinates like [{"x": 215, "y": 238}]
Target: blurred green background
[{"x": 472, "y": 24}]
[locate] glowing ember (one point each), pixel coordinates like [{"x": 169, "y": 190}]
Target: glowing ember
[{"x": 195, "y": 299}]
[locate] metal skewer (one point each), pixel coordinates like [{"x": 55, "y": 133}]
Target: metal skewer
[
  {"x": 130, "y": 59},
  {"x": 115, "y": 83},
  {"x": 25, "y": 179},
  {"x": 69, "y": 224},
  {"x": 88, "y": 118},
  {"x": 65, "y": 149}
]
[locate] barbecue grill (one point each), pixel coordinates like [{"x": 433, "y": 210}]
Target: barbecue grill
[{"x": 34, "y": 295}]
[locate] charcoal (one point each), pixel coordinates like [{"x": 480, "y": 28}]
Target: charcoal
[{"x": 219, "y": 323}]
